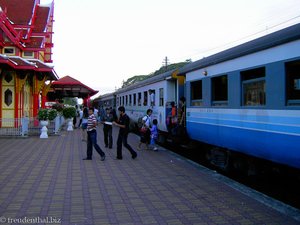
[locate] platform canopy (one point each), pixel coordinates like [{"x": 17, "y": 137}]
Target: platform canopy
[{"x": 69, "y": 87}]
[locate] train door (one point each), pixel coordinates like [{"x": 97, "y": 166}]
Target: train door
[
  {"x": 170, "y": 106},
  {"x": 175, "y": 109}
]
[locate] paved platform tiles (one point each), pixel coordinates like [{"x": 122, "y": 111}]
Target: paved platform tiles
[{"x": 46, "y": 182}]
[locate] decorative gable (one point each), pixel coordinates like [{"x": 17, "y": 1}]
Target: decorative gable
[{"x": 27, "y": 25}]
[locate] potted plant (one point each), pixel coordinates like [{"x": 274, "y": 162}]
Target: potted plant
[
  {"x": 69, "y": 113},
  {"x": 47, "y": 114},
  {"x": 59, "y": 107},
  {"x": 52, "y": 113},
  {"x": 44, "y": 115}
]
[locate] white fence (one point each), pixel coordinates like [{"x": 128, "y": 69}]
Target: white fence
[{"x": 28, "y": 126}]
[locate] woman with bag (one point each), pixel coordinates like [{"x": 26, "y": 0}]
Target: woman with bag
[{"x": 145, "y": 129}]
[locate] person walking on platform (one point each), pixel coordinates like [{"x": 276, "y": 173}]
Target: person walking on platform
[
  {"x": 107, "y": 120},
  {"x": 85, "y": 117},
  {"x": 75, "y": 117},
  {"x": 123, "y": 123},
  {"x": 92, "y": 137},
  {"x": 145, "y": 132},
  {"x": 80, "y": 117}
]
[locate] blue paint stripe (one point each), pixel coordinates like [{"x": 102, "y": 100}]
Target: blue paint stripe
[
  {"x": 277, "y": 147},
  {"x": 258, "y": 118},
  {"x": 282, "y": 128}
]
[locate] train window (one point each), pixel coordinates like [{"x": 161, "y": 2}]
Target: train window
[
  {"x": 145, "y": 98},
  {"x": 152, "y": 97},
  {"x": 161, "y": 97},
  {"x": 123, "y": 100},
  {"x": 139, "y": 98},
  {"x": 130, "y": 99},
  {"x": 293, "y": 82},
  {"x": 254, "y": 87},
  {"x": 219, "y": 90},
  {"x": 126, "y": 100},
  {"x": 196, "y": 93},
  {"x": 134, "y": 99}
]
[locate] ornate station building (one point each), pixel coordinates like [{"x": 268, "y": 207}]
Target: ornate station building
[{"x": 26, "y": 31}]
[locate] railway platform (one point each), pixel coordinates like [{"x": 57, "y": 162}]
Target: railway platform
[{"x": 45, "y": 181}]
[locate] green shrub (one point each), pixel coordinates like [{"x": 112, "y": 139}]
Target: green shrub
[
  {"x": 69, "y": 112},
  {"x": 47, "y": 114}
]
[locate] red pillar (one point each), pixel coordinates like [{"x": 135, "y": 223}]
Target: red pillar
[
  {"x": 45, "y": 91},
  {"x": 35, "y": 107},
  {"x": 16, "y": 107},
  {"x": 35, "y": 104},
  {"x": 1, "y": 101},
  {"x": 86, "y": 102},
  {"x": 44, "y": 100}
]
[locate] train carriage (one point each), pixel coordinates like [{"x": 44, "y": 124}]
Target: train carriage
[
  {"x": 155, "y": 92},
  {"x": 106, "y": 100},
  {"x": 247, "y": 98}
]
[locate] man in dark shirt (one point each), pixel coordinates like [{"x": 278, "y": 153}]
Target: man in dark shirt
[
  {"x": 92, "y": 137},
  {"x": 107, "y": 120},
  {"x": 123, "y": 123}
]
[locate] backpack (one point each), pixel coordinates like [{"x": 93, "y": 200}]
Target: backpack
[
  {"x": 140, "y": 122},
  {"x": 131, "y": 128}
]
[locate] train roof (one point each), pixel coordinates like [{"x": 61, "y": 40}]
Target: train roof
[
  {"x": 148, "y": 81},
  {"x": 283, "y": 36},
  {"x": 105, "y": 96}
]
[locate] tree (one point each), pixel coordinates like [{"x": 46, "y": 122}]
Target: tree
[{"x": 137, "y": 78}]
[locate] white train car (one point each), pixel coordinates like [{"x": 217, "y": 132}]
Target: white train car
[{"x": 154, "y": 93}]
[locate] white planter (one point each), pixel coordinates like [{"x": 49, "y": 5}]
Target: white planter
[
  {"x": 70, "y": 124},
  {"x": 44, "y": 130}
]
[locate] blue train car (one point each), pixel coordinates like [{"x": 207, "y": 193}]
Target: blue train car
[{"x": 247, "y": 98}]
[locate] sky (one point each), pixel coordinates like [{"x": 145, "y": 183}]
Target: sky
[{"x": 104, "y": 42}]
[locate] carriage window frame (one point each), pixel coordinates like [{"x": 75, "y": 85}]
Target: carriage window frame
[
  {"x": 219, "y": 90},
  {"x": 145, "y": 103},
  {"x": 134, "y": 99},
  {"x": 292, "y": 76},
  {"x": 130, "y": 99},
  {"x": 254, "y": 79},
  {"x": 161, "y": 97},
  {"x": 196, "y": 90},
  {"x": 152, "y": 97},
  {"x": 139, "y": 98}
]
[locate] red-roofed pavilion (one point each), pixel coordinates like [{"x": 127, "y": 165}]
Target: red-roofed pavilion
[{"x": 69, "y": 87}]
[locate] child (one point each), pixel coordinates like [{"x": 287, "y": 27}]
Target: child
[{"x": 154, "y": 134}]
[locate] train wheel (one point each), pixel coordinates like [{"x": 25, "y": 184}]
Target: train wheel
[{"x": 219, "y": 158}]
